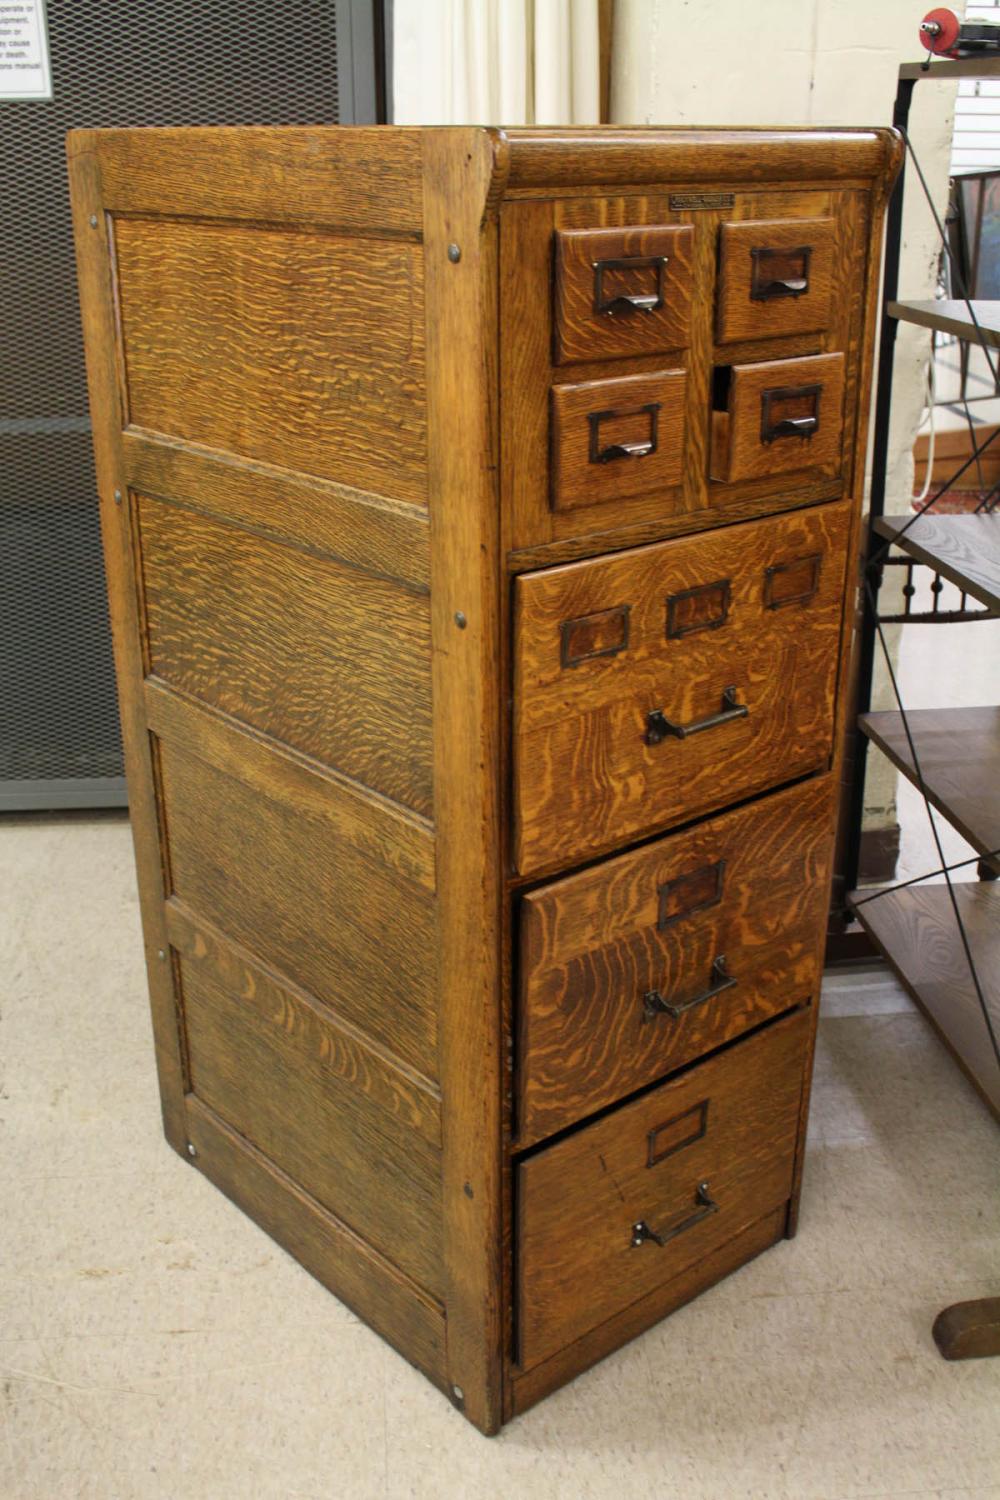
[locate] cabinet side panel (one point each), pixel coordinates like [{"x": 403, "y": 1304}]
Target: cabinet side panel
[
  {"x": 292, "y": 346},
  {"x": 263, "y": 477}
]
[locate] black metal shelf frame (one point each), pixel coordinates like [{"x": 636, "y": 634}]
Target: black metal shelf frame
[{"x": 877, "y": 554}]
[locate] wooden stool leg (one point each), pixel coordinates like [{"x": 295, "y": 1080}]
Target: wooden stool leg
[{"x": 969, "y": 1330}]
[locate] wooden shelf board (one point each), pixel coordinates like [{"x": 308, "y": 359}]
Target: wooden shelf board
[
  {"x": 958, "y": 750},
  {"x": 952, "y": 316},
  {"x": 916, "y": 932},
  {"x": 964, "y": 549}
]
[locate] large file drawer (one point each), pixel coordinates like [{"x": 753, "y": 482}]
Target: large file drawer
[
  {"x": 612, "y": 1212},
  {"x": 657, "y": 684},
  {"x": 644, "y": 963}
]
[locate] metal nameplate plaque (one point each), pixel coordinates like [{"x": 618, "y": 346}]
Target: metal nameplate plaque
[{"x": 701, "y": 200}]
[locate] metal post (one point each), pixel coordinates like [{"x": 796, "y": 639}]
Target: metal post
[{"x": 880, "y": 460}]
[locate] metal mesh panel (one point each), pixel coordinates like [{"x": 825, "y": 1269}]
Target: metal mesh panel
[{"x": 114, "y": 62}]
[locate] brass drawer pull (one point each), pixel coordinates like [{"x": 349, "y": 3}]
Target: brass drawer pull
[
  {"x": 653, "y": 1003},
  {"x": 659, "y": 727},
  {"x": 706, "y": 1205},
  {"x": 615, "y": 306},
  {"x": 792, "y": 426},
  {"x": 766, "y": 285},
  {"x": 599, "y": 455}
]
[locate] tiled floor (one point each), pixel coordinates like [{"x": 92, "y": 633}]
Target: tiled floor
[{"x": 154, "y": 1343}]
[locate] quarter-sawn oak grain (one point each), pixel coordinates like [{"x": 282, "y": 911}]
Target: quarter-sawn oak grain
[
  {"x": 322, "y": 365},
  {"x": 585, "y": 778},
  {"x": 594, "y": 944},
  {"x": 579, "y": 1199}
]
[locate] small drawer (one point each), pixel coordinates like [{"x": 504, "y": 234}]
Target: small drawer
[
  {"x": 609, "y": 1214},
  {"x": 784, "y": 416},
  {"x": 616, "y": 439},
  {"x": 620, "y": 292},
  {"x": 646, "y": 962},
  {"x": 775, "y": 278},
  {"x": 657, "y": 684}
]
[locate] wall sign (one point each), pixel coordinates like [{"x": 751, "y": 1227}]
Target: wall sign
[{"x": 24, "y": 51}]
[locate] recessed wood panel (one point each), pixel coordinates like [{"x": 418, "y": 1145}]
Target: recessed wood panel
[
  {"x": 748, "y": 886},
  {"x": 262, "y": 1067},
  {"x": 741, "y": 707},
  {"x": 580, "y": 1200},
  {"x": 275, "y": 875},
  {"x": 290, "y": 346},
  {"x": 326, "y": 658}
]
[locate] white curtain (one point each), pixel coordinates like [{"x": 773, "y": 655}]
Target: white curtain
[{"x": 496, "y": 62}]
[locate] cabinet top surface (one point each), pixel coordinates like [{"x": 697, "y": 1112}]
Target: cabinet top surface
[{"x": 531, "y": 157}]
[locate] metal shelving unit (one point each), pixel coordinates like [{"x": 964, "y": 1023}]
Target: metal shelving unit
[{"x": 942, "y": 940}]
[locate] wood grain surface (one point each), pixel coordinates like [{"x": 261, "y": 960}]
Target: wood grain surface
[
  {"x": 356, "y": 179},
  {"x": 312, "y": 653},
  {"x": 579, "y": 1198},
  {"x": 585, "y": 779},
  {"x": 965, "y": 549},
  {"x": 317, "y": 347},
  {"x": 647, "y": 410},
  {"x": 546, "y": 159},
  {"x": 582, "y": 330},
  {"x": 535, "y": 532},
  {"x": 389, "y": 538},
  {"x": 321, "y": 363},
  {"x": 958, "y": 753},
  {"x": 740, "y": 449},
  {"x": 261, "y": 1067},
  {"x": 278, "y": 878},
  {"x": 93, "y": 254},
  {"x": 390, "y": 1302},
  {"x": 741, "y": 315},
  {"x": 461, "y": 168},
  {"x": 343, "y": 1049},
  {"x": 530, "y": 1386},
  {"x": 916, "y": 931},
  {"x": 594, "y": 944}
]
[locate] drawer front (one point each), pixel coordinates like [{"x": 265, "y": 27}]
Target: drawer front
[
  {"x": 639, "y": 966},
  {"x": 780, "y": 416},
  {"x": 775, "y": 278},
  {"x": 661, "y": 683},
  {"x": 612, "y": 1212},
  {"x": 615, "y": 439},
  {"x": 621, "y": 292}
]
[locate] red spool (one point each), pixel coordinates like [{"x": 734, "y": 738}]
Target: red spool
[{"x": 942, "y": 42}]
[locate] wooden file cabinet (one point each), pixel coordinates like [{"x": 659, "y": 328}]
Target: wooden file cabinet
[{"x": 480, "y": 512}]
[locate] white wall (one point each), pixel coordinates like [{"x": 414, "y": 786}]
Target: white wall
[{"x": 804, "y": 62}]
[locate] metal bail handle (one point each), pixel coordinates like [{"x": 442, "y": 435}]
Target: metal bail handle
[
  {"x": 641, "y": 1231},
  {"x": 659, "y": 727},
  {"x": 654, "y": 1004}
]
